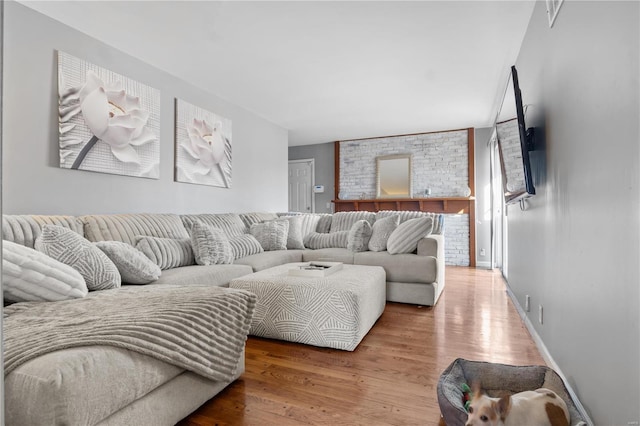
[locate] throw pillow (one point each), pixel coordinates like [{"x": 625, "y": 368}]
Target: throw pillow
[
  {"x": 294, "y": 236},
  {"x": 324, "y": 223},
  {"x": 70, "y": 248},
  {"x": 404, "y": 239},
  {"x": 31, "y": 276},
  {"x": 380, "y": 232},
  {"x": 244, "y": 245},
  {"x": 167, "y": 253},
  {"x": 317, "y": 240},
  {"x": 133, "y": 265},
  {"x": 210, "y": 245},
  {"x": 271, "y": 235},
  {"x": 359, "y": 235}
]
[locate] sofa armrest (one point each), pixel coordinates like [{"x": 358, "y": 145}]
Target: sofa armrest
[{"x": 431, "y": 245}]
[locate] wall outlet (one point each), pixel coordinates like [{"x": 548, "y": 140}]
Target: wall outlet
[
  {"x": 527, "y": 303},
  {"x": 328, "y": 205},
  {"x": 482, "y": 252},
  {"x": 540, "y": 314}
]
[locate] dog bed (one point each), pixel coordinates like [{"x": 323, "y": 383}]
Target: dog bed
[{"x": 496, "y": 380}]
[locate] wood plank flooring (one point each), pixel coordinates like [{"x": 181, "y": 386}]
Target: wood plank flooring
[{"x": 391, "y": 378}]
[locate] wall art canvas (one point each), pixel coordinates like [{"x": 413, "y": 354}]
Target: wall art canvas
[
  {"x": 108, "y": 123},
  {"x": 203, "y": 146}
]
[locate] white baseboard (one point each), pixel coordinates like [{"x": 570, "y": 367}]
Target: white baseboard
[
  {"x": 548, "y": 359},
  {"x": 483, "y": 265}
]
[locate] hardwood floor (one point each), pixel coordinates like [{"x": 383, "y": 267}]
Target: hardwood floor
[{"x": 391, "y": 377}]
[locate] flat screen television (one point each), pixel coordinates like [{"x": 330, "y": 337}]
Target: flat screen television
[{"x": 514, "y": 144}]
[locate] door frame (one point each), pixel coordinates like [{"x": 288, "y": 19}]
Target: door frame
[{"x": 313, "y": 179}]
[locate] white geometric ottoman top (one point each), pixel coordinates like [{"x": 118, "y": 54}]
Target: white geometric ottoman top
[{"x": 335, "y": 311}]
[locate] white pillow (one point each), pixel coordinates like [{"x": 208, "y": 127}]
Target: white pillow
[
  {"x": 31, "y": 276},
  {"x": 404, "y": 239},
  {"x": 244, "y": 245},
  {"x": 133, "y": 265},
  {"x": 72, "y": 249}
]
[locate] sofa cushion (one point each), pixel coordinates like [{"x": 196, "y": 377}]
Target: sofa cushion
[
  {"x": 380, "y": 232},
  {"x": 70, "y": 248},
  {"x": 125, "y": 227},
  {"x": 133, "y": 265},
  {"x": 316, "y": 240},
  {"x": 167, "y": 253},
  {"x": 272, "y": 235},
  {"x": 404, "y": 239},
  {"x": 218, "y": 275},
  {"x": 28, "y": 275},
  {"x": 438, "y": 218},
  {"x": 81, "y": 386},
  {"x": 408, "y": 268},
  {"x": 250, "y": 218},
  {"x": 328, "y": 255},
  {"x": 230, "y": 223},
  {"x": 269, "y": 259},
  {"x": 343, "y": 221},
  {"x": 359, "y": 235},
  {"x": 244, "y": 245},
  {"x": 24, "y": 229},
  {"x": 210, "y": 245}
]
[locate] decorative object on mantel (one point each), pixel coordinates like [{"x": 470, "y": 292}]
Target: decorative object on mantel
[
  {"x": 203, "y": 146},
  {"x": 108, "y": 123}
]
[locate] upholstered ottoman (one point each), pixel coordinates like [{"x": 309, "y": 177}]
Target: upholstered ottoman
[{"x": 335, "y": 311}]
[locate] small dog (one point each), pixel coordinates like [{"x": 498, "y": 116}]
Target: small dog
[{"x": 541, "y": 407}]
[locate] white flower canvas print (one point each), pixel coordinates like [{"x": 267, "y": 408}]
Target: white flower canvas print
[
  {"x": 108, "y": 123},
  {"x": 203, "y": 146}
]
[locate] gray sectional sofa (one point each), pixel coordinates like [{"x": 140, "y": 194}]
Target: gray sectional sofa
[{"x": 52, "y": 389}]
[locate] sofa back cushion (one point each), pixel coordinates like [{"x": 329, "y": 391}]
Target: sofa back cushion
[
  {"x": 438, "y": 218},
  {"x": 126, "y": 227},
  {"x": 250, "y": 218},
  {"x": 343, "y": 221},
  {"x": 230, "y": 223},
  {"x": 24, "y": 229}
]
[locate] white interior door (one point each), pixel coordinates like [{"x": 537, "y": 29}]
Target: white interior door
[{"x": 301, "y": 181}]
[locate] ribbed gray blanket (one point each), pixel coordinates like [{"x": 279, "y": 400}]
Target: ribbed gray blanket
[{"x": 201, "y": 329}]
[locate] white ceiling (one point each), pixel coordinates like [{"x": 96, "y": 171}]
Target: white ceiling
[{"x": 324, "y": 70}]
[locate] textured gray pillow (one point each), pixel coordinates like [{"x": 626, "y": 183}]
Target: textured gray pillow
[
  {"x": 244, "y": 245},
  {"x": 294, "y": 236},
  {"x": 133, "y": 265},
  {"x": 324, "y": 223},
  {"x": 70, "y": 248},
  {"x": 404, "y": 239},
  {"x": 359, "y": 235},
  {"x": 380, "y": 232},
  {"x": 210, "y": 245},
  {"x": 31, "y": 276},
  {"x": 167, "y": 253},
  {"x": 317, "y": 240},
  {"x": 271, "y": 235}
]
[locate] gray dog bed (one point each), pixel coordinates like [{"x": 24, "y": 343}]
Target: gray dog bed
[{"x": 496, "y": 380}]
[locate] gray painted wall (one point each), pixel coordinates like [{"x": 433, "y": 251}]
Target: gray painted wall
[
  {"x": 483, "y": 196},
  {"x": 324, "y": 169},
  {"x": 33, "y": 182},
  {"x": 575, "y": 250}
]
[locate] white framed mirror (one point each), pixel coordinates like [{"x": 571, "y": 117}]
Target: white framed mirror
[{"x": 393, "y": 176}]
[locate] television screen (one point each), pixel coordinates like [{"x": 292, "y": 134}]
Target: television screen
[{"x": 514, "y": 144}]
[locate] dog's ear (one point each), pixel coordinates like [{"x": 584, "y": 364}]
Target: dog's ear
[{"x": 504, "y": 406}]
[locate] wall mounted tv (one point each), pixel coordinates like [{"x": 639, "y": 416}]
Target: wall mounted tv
[{"x": 514, "y": 144}]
